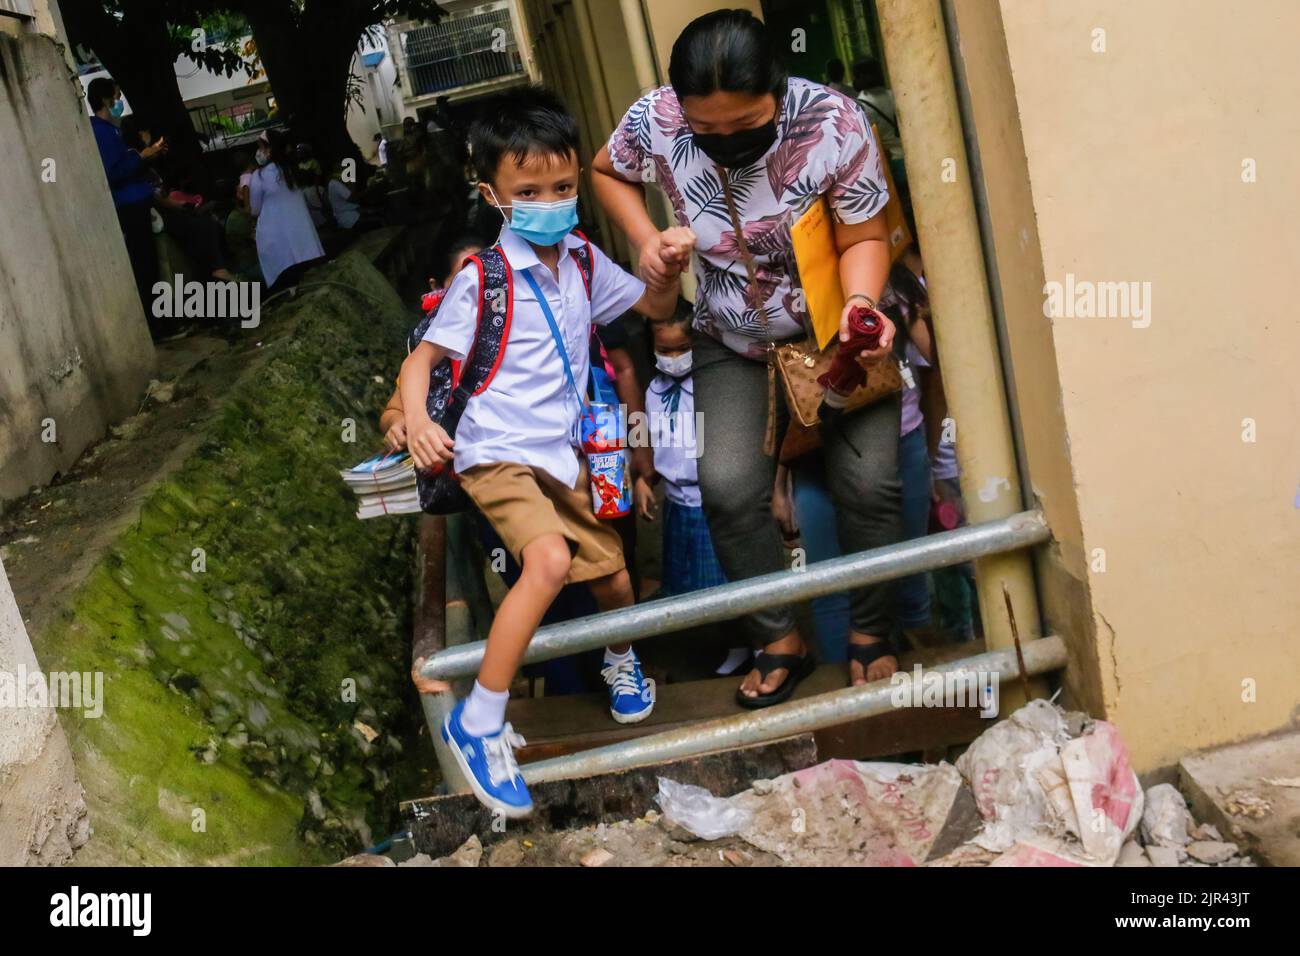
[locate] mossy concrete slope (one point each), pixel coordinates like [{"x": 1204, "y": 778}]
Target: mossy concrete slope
[{"x": 252, "y": 633}]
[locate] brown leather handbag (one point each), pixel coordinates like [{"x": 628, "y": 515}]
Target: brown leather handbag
[{"x": 798, "y": 364}]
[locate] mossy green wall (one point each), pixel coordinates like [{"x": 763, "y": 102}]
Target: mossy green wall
[{"x": 225, "y": 687}]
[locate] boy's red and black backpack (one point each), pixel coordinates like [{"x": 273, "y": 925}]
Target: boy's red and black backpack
[{"x": 452, "y": 384}]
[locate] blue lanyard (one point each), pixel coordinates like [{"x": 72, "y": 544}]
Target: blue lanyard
[{"x": 555, "y": 334}]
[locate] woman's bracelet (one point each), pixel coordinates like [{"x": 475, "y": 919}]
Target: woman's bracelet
[{"x": 871, "y": 303}]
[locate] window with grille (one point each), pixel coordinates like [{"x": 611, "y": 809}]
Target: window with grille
[{"x": 461, "y": 51}]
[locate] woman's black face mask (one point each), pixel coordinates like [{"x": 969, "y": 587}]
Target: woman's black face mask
[{"x": 742, "y": 148}]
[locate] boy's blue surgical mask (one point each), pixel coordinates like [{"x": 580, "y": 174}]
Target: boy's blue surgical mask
[
  {"x": 118, "y": 108},
  {"x": 541, "y": 223}
]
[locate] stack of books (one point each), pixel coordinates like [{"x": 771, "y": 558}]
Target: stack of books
[{"x": 384, "y": 485}]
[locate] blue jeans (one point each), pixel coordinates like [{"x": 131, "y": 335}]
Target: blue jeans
[
  {"x": 820, "y": 538},
  {"x": 819, "y": 535},
  {"x": 912, "y": 594}
]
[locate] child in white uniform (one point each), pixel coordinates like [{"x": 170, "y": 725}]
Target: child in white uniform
[
  {"x": 514, "y": 447},
  {"x": 689, "y": 562}
]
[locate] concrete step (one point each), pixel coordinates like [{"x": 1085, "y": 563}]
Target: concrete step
[
  {"x": 1230, "y": 787},
  {"x": 554, "y": 726}
]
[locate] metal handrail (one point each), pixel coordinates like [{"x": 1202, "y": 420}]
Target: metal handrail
[
  {"x": 795, "y": 717},
  {"x": 737, "y": 598}
]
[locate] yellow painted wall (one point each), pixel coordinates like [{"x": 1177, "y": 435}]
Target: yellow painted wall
[
  {"x": 667, "y": 18},
  {"x": 1126, "y": 165}
]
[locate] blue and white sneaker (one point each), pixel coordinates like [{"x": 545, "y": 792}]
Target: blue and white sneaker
[
  {"x": 631, "y": 695},
  {"x": 488, "y": 764}
]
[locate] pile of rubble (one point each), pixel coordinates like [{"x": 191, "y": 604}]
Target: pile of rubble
[{"x": 1042, "y": 788}]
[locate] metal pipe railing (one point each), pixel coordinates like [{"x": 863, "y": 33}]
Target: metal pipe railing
[
  {"x": 916, "y": 48},
  {"x": 737, "y": 598},
  {"x": 795, "y": 717}
]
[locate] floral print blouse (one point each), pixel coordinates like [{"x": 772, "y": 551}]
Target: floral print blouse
[{"x": 822, "y": 147}]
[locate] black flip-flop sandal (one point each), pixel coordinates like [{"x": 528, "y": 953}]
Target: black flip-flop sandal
[
  {"x": 799, "y": 666},
  {"x": 867, "y": 654}
]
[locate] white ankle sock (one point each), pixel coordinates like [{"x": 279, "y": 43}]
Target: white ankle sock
[
  {"x": 612, "y": 658},
  {"x": 735, "y": 657},
  {"x": 485, "y": 711}
]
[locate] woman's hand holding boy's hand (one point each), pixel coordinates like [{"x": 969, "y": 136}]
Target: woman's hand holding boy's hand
[
  {"x": 428, "y": 444},
  {"x": 662, "y": 257},
  {"x": 654, "y": 271},
  {"x": 675, "y": 247}
]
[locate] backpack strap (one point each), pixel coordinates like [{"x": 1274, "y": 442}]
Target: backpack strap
[
  {"x": 495, "y": 312},
  {"x": 585, "y": 259}
]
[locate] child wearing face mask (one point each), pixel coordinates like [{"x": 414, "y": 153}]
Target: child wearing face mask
[
  {"x": 689, "y": 563},
  {"x": 515, "y": 450}
]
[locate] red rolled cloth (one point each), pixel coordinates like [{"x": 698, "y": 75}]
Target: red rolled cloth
[{"x": 845, "y": 373}]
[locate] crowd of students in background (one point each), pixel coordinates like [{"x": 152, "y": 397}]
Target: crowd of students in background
[{"x": 268, "y": 211}]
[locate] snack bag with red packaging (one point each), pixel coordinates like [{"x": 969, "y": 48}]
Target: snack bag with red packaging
[{"x": 604, "y": 445}]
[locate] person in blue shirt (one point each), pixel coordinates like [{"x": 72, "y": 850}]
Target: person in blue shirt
[{"x": 132, "y": 190}]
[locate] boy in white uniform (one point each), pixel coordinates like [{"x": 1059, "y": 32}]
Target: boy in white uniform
[{"x": 515, "y": 446}]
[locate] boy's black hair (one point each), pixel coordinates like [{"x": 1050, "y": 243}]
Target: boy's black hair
[
  {"x": 835, "y": 70},
  {"x": 98, "y": 90},
  {"x": 530, "y": 120}
]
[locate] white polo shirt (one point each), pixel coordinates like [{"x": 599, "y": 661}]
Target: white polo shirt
[{"x": 527, "y": 413}]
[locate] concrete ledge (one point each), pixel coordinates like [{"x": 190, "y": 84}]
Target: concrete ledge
[{"x": 1229, "y": 787}]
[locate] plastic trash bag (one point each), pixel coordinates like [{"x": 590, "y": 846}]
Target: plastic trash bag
[{"x": 696, "y": 810}]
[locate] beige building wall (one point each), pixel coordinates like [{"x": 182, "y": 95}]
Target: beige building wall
[
  {"x": 75, "y": 344},
  {"x": 1153, "y": 143},
  {"x": 667, "y": 18}
]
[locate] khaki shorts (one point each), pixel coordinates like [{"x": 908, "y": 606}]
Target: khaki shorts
[{"x": 523, "y": 503}]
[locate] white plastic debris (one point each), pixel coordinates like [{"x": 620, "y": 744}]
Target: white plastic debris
[
  {"x": 1165, "y": 819},
  {"x": 1036, "y": 786},
  {"x": 1011, "y": 768},
  {"x": 1105, "y": 788},
  {"x": 696, "y": 810}
]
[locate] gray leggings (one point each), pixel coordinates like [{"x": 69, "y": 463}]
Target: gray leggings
[{"x": 736, "y": 481}]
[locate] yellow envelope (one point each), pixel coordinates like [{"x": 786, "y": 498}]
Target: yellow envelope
[{"x": 819, "y": 261}]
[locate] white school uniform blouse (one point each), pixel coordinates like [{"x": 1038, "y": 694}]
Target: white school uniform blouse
[
  {"x": 286, "y": 235},
  {"x": 527, "y": 413},
  {"x": 674, "y": 439}
]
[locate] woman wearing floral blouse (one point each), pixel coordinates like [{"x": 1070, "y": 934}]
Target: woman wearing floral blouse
[{"x": 733, "y": 121}]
